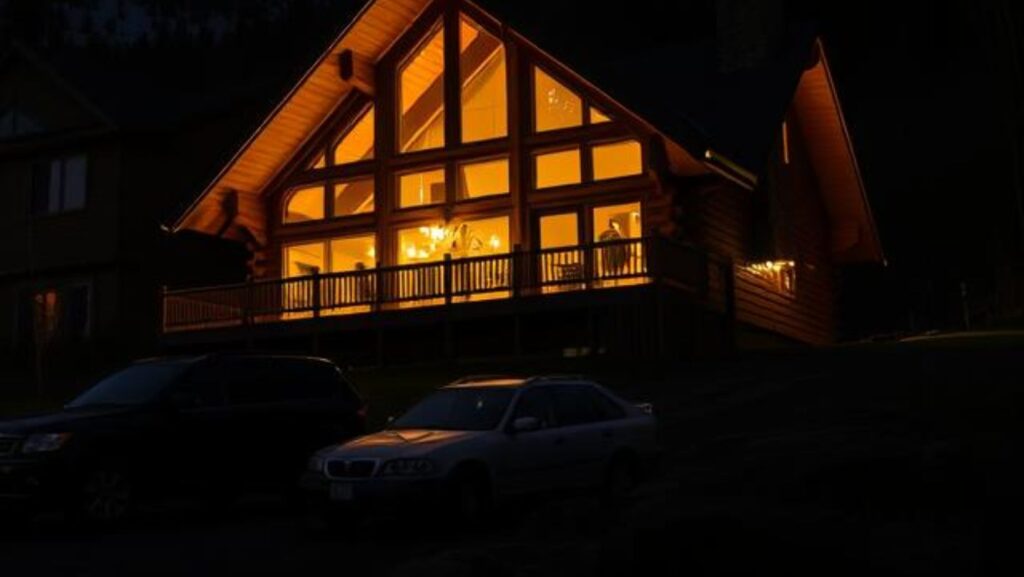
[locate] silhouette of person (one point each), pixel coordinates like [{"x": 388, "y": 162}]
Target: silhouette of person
[{"x": 614, "y": 257}]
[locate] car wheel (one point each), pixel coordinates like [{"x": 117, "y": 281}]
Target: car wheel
[
  {"x": 620, "y": 480},
  {"x": 107, "y": 497},
  {"x": 471, "y": 498}
]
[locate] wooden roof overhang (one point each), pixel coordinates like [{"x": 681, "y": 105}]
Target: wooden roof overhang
[{"x": 854, "y": 235}]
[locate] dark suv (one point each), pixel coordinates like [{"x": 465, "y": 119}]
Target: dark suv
[{"x": 214, "y": 426}]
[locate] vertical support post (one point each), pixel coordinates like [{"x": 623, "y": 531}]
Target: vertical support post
[
  {"x": 378, "y": 287},
  {"x": 446, "y": 272},
  {"x": 162, "y": 307},
  {"x": 729, "y": 285},
  {"x": 516, "y": 270},
  {"x": 316, "y": 293},
  {"x": 248, "y": 319}
]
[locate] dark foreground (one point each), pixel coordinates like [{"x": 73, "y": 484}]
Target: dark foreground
[{"x": 883, "y": 460}]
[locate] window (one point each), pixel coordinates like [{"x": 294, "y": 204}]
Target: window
[
  {"x": 421, "y": 188},
  {"x": 482, "y": 179},
  {"x": 353, "y": 198},
  {"x": 618, "y": 259},
  {"x": 574, "y": 406},
  {"x": 58, "y": 313},
  {"x": 555, "y": 106},
  {"x": 617, "y": 160},
  {"x": 60, "y": 185},
  {"x": 421, "y": 96},
  {"x": 357, "y": 144},
  {"x": 558, "y": 168},
  {"x": 353, "y": 253},
  {"x": 536, "y": 403},
  {"x": 598, "y": 117},
  {"x": 466, "y": 239},
  {"x": 618, "y": 222},
  {"x": 320, "y": 162},
  {"x": 305, "y": 259},
  {"x": 305, "y": 205},
  {"x": 483, "y": 81}
]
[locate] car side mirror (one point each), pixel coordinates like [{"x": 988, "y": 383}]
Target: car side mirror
[{"x": 526, "y": 425}]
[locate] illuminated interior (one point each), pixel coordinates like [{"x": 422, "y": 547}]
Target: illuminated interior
[
  {"x": 483, "y": 80},
  {"x": 615, "y": 223},
  {"x": 320, "y": 162},
  {"x": 421, "y": 188},
  {"x": 598, "y": 117},
  {"x": 357, "y": 144},
  {"x": 465, "y": 239},
  {"x": 354, "y": 197},
  {"x": 560, "y": 267},
  {"x": 617, "y": 160},
  {"x": 482, "y": 179},
  {"x": 353, "y": 253},
  {"x": 558, "y": 168},
  {"x": 304, "y": 205},
  {"x": 555, "y": 106},
  {"x": 305, "y": 259},
  {"x": 421, "y": 96}
]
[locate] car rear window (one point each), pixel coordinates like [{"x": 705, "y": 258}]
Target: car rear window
[{"x": 257, "y": 380}]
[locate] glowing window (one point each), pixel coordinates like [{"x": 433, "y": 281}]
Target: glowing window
[
  {"x": 560, "y": 230},
  {"x": 617, "y": 160},
  {"x": 305, "y": 259},
  {"x": 483, "y": 80},
  {"x": 598, "y": 117},
  {"x": 555, "y": 106},
  {"x": 558, "y": 168},
  {"x": 353, "y": 253},
  {"x": 421, "y": 188},
  {"x": 618, "y": 222},
  {"x": 421, "y": 96},
  {"x": 480, "y": 179},
  {"x": 320, "y": 162},
  {"x": 305, "y": 205},
  {"x": 357, "y": 144},
  {"x": 355, "y": 197}
]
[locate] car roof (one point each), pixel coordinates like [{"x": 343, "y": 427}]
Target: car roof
[
  {"x": 230, "y": 355},
  {"x": 502, "y": 381}
]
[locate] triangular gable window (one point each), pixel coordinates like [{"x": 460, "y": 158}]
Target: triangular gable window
[
  {"x": 357, "y": 144},
  {"x": 15, "y": 123},
  {"x": 598, "y": 117},
  {"x": 555, "y": 106}
]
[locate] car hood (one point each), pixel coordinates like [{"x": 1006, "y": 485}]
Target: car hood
[
  {"x": 65, "y": 421},
  {"x": 392, "y": 443}
]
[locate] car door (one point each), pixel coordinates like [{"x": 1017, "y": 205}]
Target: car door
[
  {"x": 535, "y": 460},
  {"x": 585, "y": 432}
]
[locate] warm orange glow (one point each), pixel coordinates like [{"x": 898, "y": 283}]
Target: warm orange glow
[
  {"x": 421, "y": 188},
  {"x": 357, "y": 144},
  {"x": 354, "y": 197},
  {"x": 466, "y": 239},
  {"x": 480, "y": 179},
  {"x": 555, "y": 106},
  {"x": 558, "y": 168},
  {"x": 618, "y": 160},
  {"x": 421, "y": 96},
  {"x": 598, "y": 117},
  {"x": 615, "y": 223},
  {"x": 305, "y": 259},
  {"x": 353, "y": 253},
  {"x": 305, "y": 205},
  {"x": 320, "y": 162},
  {"x": 560, "y": 231},
  {"x": 780, "y": 275},
  {"x": 483, "y": 81}
]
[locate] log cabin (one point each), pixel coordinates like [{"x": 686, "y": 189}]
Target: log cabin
[{"x": 457, "y": 178}]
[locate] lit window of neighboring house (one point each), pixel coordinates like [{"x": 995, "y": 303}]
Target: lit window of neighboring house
[
  {"x": 60, "y": 185},
  {"x": 57, "y": 314}
]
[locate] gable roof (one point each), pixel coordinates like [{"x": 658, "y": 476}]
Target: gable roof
[{"x": 731, "y": 116}]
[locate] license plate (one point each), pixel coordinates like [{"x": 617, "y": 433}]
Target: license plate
[{"x": 341, "y": 492}]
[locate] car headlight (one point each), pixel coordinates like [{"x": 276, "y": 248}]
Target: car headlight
[
  {"x": 407, "y": 468},
  {"x": 315, "y": 464},
  {"x": 45, "y": 443}
]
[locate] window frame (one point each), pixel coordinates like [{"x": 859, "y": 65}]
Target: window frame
[{"x": 45, "y": 166}]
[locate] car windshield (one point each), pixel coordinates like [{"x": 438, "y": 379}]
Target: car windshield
[
  {"x": 136, "y": 385},
  {"x": 469, "y": 409}
]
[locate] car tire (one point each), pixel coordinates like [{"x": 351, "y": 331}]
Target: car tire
[
  {"x": 470, "y": 497},
  {"x": 106, "y": 497},
  {"x": 620, "y": 479}
]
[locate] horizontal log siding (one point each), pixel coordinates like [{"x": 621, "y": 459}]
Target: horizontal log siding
[{"x": 727, "y": 226}]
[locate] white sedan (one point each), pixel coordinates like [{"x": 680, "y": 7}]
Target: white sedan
[{"x": 484, "y": 439}]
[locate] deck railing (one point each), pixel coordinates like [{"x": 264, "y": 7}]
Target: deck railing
[{"x": 521, "y": 273}]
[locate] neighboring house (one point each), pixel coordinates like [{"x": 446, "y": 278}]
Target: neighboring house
[
  {"x": 458, "y": 178},
  {"x": 85, "y": 180}
]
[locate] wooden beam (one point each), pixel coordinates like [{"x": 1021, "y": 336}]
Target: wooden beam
[{"x": 357, "y": 71}]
